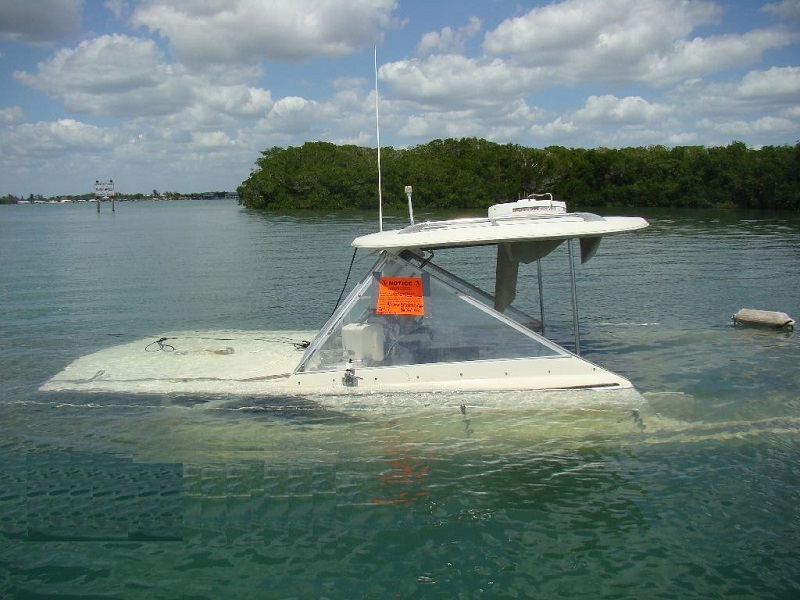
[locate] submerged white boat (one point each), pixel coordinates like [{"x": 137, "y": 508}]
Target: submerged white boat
[{"x": 409, "y": 325}]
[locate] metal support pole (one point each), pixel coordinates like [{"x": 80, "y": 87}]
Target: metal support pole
[
  {"x": 410, "y": 206},
  {"x": 574, "y": 299},
  {"x": 541, "y": 293}
]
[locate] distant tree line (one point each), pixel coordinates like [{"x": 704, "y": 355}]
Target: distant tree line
[
  {"x": 11, "y": 199},
  {"x": 475, "y": 173}
]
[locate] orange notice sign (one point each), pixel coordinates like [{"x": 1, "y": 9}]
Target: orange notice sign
[{"x": 400, "y": 296}]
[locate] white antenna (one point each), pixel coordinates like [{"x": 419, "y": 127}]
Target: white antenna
[
  {"x": 409, "y": 189},
  {"x": 378, "y": 130}
]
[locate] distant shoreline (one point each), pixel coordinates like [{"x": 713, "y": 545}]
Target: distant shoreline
[{"x": 62, "y": 199}]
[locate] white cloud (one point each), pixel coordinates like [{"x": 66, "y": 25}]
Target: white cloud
[
  {"x": 449, "y": 40},
  {"x": 632, "y": 110},
  {"x": 125, "y": 76},
  {"x": 454, "y": 124},
  {"x": 786, "y": 11},
  {"x": 211, "y": 140},
  {"x": 108, "y": 64},
  {"x": 615, "y": 29},
  {"x": 609, "y": 121},
  {"x": 704, "y": 56},
  {"x": 777, "y": 85},
  {"x": 558, "y": 129},
  {"x": 117, "y": 7},
  {"x": 574, "y": 21},
  {"x": 347, "y": 117},
  {"x": 774, "y": 91},
  {"x": 680, "y": 138},
  {"x": 502, "y": 122},
  {"x": 238, "y": 100},
  {"x": 291, "y": 105},
  {"x": 742, "y": 129},
  {"x": 248, "y": 30},
  {"x": 761, "y": 107},
  {"x": 53, "y": 138},
  {"x": 39, "y": 21},
  {"x": 291, "y": 115},
  {"x": 456, "y": 81},
  {"x": 627, "y": 40},
  {"x": 792, "y": 112},
  {"x": 13, "y": 114}
]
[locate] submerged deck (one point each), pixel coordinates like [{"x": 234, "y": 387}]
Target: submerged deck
[{"x": 202, "y": 362}]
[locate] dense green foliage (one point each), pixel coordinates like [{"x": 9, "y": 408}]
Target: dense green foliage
[{"x": 474, "y": 173}]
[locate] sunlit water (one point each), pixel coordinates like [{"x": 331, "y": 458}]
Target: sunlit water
[{"x": 691, "y": 490}]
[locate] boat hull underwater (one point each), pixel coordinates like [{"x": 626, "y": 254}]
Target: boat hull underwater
[
  {"x": 260, "y": 363},
  {"x": 408, "y": 326}
]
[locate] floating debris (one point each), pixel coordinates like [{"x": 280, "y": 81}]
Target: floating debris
[{"x": 763, "y": 318}]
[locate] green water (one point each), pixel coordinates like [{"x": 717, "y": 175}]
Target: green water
[{"x": 691, "y": 490}]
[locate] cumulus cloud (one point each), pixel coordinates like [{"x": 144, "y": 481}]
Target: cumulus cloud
[
  {"x": 627, "y": 40},
  {"x": 211, "y": 140},
  {"x": 786, "y": 11},
  {"x": 457, "y": 81},
  {"x": 703, "y": 56},
  {"x": 124, "y": 76},
  {"x": 558, "y": 129},
  {"x": 246, "y": 30},
  {"x": 607, "y": 120},
  {"x": 571, "y": 42},
  {"x": 53, "y": 138},
  {"x": 772, "y": 91},
  {"x": 238, "y": 100},
  {"x": 39, "y": 21},
  {"x": 346, "y": 117},
  {"x": 108, "y": 64},
  {"x": 13, "y": 114},
  {"x": 449, "y": 40},
  {"x": 777, "y": 85},
  {"x": 454, "y": 124},
  {"x": 743, "y": 129},
  {"x": 113, "y": 74},
  {"x": 632, "y": 110},
  {"x": 502, "y": 122},
  {"x": 117, "y": 7},
  {"x": 612, "y": 29},
  {"x": 292, "y": 114}
]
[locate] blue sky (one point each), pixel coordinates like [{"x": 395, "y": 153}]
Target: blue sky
[{"x": 183, "y": 95}]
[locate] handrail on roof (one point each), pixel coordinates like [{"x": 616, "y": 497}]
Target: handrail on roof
[
  {"x": 498, "y": 220},
  {"x": 535, "y": 196}
]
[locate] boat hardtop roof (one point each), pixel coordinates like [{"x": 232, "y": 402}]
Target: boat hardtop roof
[{"x": 509, "y": 222}]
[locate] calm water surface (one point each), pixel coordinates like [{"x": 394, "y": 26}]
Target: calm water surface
[{"x": 693, "y": 492}]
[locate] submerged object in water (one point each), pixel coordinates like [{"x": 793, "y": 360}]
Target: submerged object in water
[
  {"x": 409, "y": 325},
  {"x": 763, "y": 318}
]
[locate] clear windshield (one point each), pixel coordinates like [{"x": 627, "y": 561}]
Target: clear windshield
[{"x": 406, "y": 313}]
